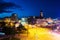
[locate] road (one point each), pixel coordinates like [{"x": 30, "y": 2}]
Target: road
[{"x": 39, "y": 34}]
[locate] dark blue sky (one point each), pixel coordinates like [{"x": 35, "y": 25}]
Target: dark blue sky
[{"x": 51, "y": 8}]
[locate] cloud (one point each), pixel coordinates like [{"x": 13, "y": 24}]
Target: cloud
[{"x": 7, "y": 5}]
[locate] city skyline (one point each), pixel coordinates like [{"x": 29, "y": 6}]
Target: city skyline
[{"x": 51, "y": 8}]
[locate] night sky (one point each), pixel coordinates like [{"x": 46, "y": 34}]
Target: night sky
[{"x": 51, "y": 8}]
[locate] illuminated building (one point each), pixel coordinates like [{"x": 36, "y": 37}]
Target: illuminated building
[
  {"x": 8, "y": 22},
  {"x": 41, "y": 14},
  {"x": 49, "y": 20},
  {"x": 7, "y": 19},
  {"x": 23, "y": 21}
]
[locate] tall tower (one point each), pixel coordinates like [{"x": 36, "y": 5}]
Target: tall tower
[{"x": 41, "y": 14}]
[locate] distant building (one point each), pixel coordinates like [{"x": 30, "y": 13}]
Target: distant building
[
  {"x": 14, "y": 17},
  {"x": 6, "y": 19},
  {"x": 31, "y": 20},
  {"x": 41, "y": 14}
]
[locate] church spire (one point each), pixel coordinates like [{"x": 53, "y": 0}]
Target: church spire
[{"x": 41, "y": 14}]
